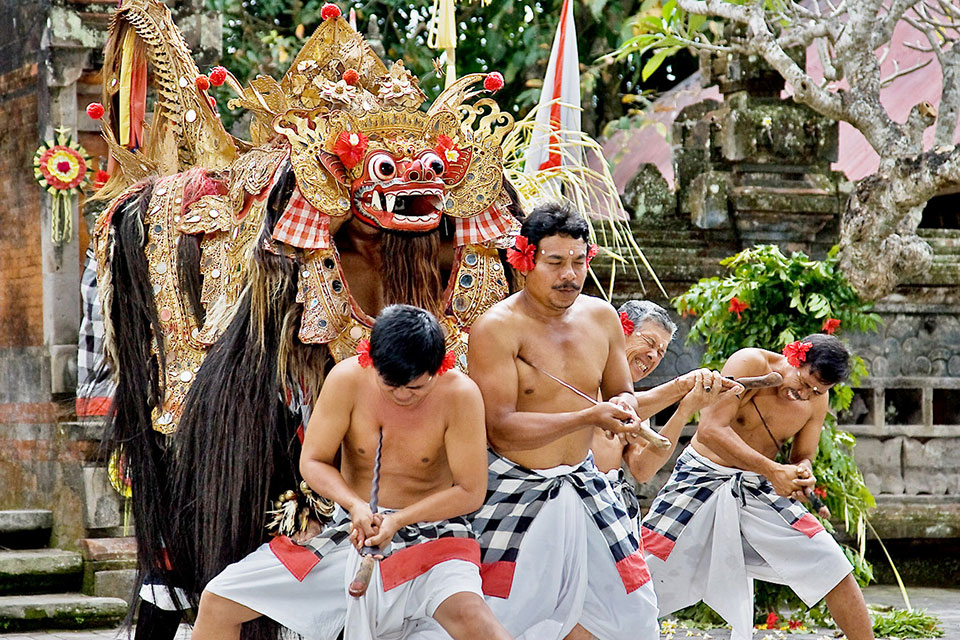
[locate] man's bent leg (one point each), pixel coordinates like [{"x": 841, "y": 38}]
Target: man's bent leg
[
  {"x": 220, "y": 619},
  {"x": 609, "y": 612},
  {"x": 466, "y": 616},
  {"x": 849, "y": 611}
]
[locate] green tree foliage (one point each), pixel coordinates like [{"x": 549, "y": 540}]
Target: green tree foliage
[
  {"x": 510, "y": 36},
  {"x": 769, "y": 300}
]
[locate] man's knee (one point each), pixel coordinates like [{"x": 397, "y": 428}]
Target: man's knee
[{"x": 465, "y": 614}]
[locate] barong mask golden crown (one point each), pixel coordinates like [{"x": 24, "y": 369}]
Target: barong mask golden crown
[{"x": 379, "y": 109}]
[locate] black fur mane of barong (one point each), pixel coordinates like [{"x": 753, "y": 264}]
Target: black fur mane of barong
[
  {"x": 133, "y": 322},
  {"x": 409, "y": 270},
  {"x": 236, "y": 445}
]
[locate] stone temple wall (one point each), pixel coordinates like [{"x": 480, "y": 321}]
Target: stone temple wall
[{"x": 739, "y": 185}]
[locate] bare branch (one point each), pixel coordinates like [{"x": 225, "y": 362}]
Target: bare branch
[
  {"x": 883, "y": 56},
  {"x": 949, "y": 98},
  {"x": 896, "y": 11},
  {"x": 898, "y": 73},
  {"x": 917, "y": 47},
  {"x": 829, "y": 70}
]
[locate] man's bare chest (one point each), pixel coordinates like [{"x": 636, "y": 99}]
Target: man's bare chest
[
  {"x": 579, "y": 362},
  {"x": 770, "y": 419}
]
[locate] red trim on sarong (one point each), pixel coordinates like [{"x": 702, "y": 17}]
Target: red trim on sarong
[
  {"x": 412, "y": 562},
  {"x": 93, "y": 406},
  {"x": 808, "y": 525},
  {"x": 298, "y": 560},
  {"x": 633, "y": 571},
  {"x": 656, "y": 544},
  {"x": 497, "y": 578}
]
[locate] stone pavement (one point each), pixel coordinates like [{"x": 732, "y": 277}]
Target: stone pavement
[{"x": 944, "y": 603}]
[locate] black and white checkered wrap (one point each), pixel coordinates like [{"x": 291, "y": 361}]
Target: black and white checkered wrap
[
  {"x": 93, "y": 379},
  {"x": 339, "y": 530},
  {"x": 692, "y": 483},
  {"x": 627, "y": 494},
  {"x": 515, "y": 496}
]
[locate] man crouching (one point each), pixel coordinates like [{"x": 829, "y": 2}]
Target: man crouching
[
  {"x": 432, "y": 471},
  {"x": 730, "y": 513}
]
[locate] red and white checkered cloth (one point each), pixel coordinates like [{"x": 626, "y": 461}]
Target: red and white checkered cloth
[
  {"x": 490, "y": 224},
  {"x": 302, "y": 225}
]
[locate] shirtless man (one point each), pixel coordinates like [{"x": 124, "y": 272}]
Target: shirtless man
[
  {"x": 557, "y": 545},
  {"x": 730, "y": 512},
  {"x": 431, "y": 474}
]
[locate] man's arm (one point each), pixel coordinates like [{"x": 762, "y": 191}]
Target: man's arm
[
  {"x": 329, "y": 423},
  {"x": 662, "y": 396},
  {"x": 645, "y": 461},
  {"x": 465, "y": 443},
  {"x": 716, "y": 433},
  {"x": 803, "y": 451},
  {"x": 492, "y": 357}
]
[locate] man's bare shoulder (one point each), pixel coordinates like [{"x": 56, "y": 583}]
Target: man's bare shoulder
[
  {"x": 750, "y": 362},
  {"x": 459, "y": 389},
  {"x": 599, "y": 309},
  {"x": 500, "y": 316},
  {"x": 344, "y": 375}
]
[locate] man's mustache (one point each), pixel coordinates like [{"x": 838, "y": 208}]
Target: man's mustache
[{"x": 567, "y": 287}]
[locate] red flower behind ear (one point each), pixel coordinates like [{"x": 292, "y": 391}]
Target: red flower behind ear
[
  {"x": 796, "y": 352},
  {"x": 448, "y": 363},
  {"x": 830, "y": 325},
  {"x": 592, "y": 251},
  {"x": 522, "y": 255},
  {"x": 363, "y": 354},
  {"x": 626, "y": 323},
  {"x": 350, "y": 147}
]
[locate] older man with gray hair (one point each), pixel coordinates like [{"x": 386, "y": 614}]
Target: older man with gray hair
[{"x": 649, "y": 329}]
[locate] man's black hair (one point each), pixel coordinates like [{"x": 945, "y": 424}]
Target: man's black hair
[
  {"x": 554, "y": 219},
  {"x": 406, "y": 343},
  {"x": 828, "y": 358}
]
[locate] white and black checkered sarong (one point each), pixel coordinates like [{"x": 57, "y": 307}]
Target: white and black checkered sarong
[
  {"x": 94, "y": 386},
  {"x": 690, "y": 485},
  {"x": 515, "y": 496},
  {"x": 339, "y": 530}
]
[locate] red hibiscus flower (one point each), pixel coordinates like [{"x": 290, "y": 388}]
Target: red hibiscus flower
[
  {"x": 350, "y": 147},
  {"x": 363, "y": 354},
  {"x": 100, "y": 179},
  {"x": 820, "y": 492},
  {"x": 447, "y": 149},
  {"x": 626, "y": 323},
  {"x": 830, "y": 325},
  {"x": 737, "y": 306},
  {"x": 796, "y": 352},
  {"x": 772, "y": 619},
  {"x": 521, "y": 255},
  {"x": 592, "y": 251},
  {"x": 448, "y": 363},
  {"x": 795, "y": 624}
]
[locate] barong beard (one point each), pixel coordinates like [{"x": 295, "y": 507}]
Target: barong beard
[{"x": 409, "y": 270}]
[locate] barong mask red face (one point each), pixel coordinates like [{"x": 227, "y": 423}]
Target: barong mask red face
[
  {"x": 559, "y": 272},
  {"x": 645, "y": 349}
]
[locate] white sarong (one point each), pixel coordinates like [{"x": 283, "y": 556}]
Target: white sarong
[{"x": 734, "y": 529}]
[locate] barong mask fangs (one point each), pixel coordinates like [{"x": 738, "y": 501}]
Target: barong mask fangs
[{"x": 405, "y": 168}]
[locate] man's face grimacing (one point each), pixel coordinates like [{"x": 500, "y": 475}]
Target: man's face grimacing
[
  {"x": 646, "y": 347},
  {"x": 803, "y": 384},
  {"x": 410, "y": 394},
  {"x": 559, "y": 272}
]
